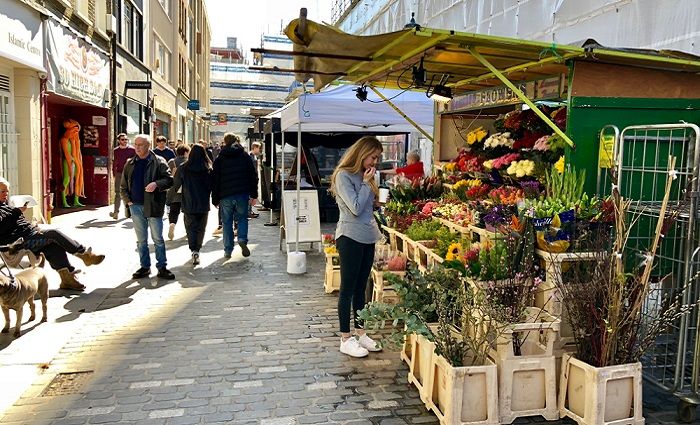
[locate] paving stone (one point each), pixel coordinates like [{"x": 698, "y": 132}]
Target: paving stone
[{"x": 167, "y": 413}]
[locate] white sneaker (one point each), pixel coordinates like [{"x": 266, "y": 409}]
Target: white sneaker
[
  {"x": 368, "y": 343},
  {"x": 352, "y": 348},
  {"x": 171, "y": 231}
]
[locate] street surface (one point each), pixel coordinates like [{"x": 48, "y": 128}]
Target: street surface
[{"x": 237, "y": 341}]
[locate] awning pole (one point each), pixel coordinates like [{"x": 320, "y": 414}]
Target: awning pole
[
  {"x": 396, "y": 108},
  {"x": 272, "y": 170},
  {"x": 299, "y": 151},
  {"x": 520, "y": 95}
]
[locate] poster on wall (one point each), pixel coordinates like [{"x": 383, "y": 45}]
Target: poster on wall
[
  {"x": 77, "y": 69},
  {"x": 91, "y": 137}
]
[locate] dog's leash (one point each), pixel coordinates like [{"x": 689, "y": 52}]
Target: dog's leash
[{"x": 9, "y": 274}]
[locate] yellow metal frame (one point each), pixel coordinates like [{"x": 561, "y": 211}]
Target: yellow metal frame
[{"x": 521, "y": 95}]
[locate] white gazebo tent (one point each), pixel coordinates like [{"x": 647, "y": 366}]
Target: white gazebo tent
[{"x": 339, "y": 110}]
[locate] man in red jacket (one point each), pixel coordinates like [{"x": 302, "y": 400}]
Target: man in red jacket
[
  {"x": 413, "y": 169},
  {"x": 122, "y": 152}
]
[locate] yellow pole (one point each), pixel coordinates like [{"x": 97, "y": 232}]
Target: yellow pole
[
  {"x": 520, "y": 95},
  {"x": 413, "y": 123}
]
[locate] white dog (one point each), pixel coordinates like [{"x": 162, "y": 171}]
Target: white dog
[{"x": 26, "y": 284}]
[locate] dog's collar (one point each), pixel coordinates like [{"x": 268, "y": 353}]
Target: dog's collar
[{"x": 12, "y": 284}]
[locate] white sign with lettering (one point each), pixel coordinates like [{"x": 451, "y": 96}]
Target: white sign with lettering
[{"x": 21, "y": 34}]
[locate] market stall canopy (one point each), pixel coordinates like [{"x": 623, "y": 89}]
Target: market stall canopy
[
  {"x": 338, "y": 110},
  {"x": 472, "y": 61}
]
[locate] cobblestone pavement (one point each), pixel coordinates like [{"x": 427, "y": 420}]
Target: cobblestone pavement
[{"x": 237, "y": 341}]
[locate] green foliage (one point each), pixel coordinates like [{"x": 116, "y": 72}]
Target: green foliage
[
  {"x": 444, "y": 239},
  {"x": 423, "y": 230},
  {"x": 566, "y": 187},
  {"x": 493, "y": 262},
  {"x": 400, "y": 207}
]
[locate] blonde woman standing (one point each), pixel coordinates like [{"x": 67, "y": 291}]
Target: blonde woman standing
[{"x": 356, "y": 191}]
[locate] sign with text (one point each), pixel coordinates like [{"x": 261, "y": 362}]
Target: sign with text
[
  {"x": 21, "y": 34},
  {"x": 78, "y": 70},
  {"x": 193, "y": 105},
  {"x": 548, "y": 88},
  {"x": 137, "y": 85}
]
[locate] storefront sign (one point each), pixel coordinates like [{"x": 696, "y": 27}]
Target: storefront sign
[
  {"x": 77, "y": 69},
  {"x": 139, "y": 85},
  {"x": 21, "y": 32},
  {"x": 549, "y": 88}
]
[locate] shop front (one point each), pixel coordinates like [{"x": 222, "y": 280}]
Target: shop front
[
  {"x": 77, "y": 119},
  {"x": 21, "y": 72}
]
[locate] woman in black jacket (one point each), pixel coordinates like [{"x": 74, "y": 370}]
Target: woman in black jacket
[{"x": 193, "y": 177}]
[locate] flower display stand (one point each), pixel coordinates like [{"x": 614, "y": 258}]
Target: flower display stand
[
  {"x": 420, "y": 367},
  {"x": 527, "y": 381},
  {"x": 549, "y": 296},
  {"x": 483, "y": 235},
  {"x": 609, "y": 395},
  {"x": 381, "y": 292},
  {"x": 407, "y": 349},
  {"x": 395, "y": 238},
  {"x": 424, "y": 257},
  {"x": 331, "y": 281},
  {"x": 466, "y": 232},
  {"x": 463, "y": 395}
]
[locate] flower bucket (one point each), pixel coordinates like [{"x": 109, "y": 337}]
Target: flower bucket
[
  {"x": 463, "y": 395},
  {"x": 601, "y": 395}
]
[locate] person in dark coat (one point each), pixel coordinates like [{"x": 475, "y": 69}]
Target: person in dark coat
[
  {"x": 174, "y": 198},
  {"x": 145, "y": 182},
  {"x": 234, "y": 186},
  {"x": 193, "y": 177}
]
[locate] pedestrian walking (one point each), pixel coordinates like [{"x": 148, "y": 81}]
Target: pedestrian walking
[
  {"x": 255, "y": 148},
  {"x": 145, "y": 182},
  {"x": 162, "y": 149},
  {"x": 174, "y": 198},
  {"x": 122, "y": 152},
  {"x": 234, "y": 187},
  {"x": 194, "y": 178},
  {"x": 356, "y": 191}
]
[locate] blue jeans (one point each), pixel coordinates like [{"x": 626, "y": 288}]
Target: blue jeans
[
  {"x": 234, "y": 207},
  {"x": 141, "y": 226}
]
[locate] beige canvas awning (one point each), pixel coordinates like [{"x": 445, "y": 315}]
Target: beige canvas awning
[{"x": 473, "y": 61}]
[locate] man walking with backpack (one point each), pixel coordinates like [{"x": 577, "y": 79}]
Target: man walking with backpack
[{"x": 234, "y": 188}]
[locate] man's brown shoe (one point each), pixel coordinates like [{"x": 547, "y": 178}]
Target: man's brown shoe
[
  {"x": 68, "y": 281},
  {"x": 89, "y": 258}
]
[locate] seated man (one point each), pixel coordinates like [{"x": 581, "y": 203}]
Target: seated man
[
  {"x": 413, "y": 169},
  {"x": 54, "y": 244}
]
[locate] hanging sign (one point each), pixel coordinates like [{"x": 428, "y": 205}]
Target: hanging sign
[
  {"x": 547, "y": 88},
  {"x": 137, "y": 84},
  {"x": 78, "y": 70},
  {"x": 605, "y": 151}
]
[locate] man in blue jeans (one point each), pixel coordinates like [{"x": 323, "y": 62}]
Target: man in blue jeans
[
  {"x": 145, "y": 181},
  {"x": 234, "y": 188}
]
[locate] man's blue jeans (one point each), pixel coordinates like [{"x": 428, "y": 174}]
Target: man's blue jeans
[
  {"x": 234, "y": 207},
  {"x": 141, "y": 226}
]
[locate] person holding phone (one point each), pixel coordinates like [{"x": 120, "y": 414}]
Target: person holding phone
[{"x": 356, "y": 191}]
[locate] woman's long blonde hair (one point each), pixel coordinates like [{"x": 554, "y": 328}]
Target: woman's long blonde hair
[{"x": 353, "y": 158}]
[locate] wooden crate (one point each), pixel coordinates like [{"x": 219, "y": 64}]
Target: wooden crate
[
  {"x": 407, "y": 349},
  {"x": 424, "y": 257},
  {"x": 420, "y": 368},
  {"x": 609, "y": 395},
  {"x": 463, "y": 395},
  {"x": 465, "y": 231},
  {"x": 381, "y": 292},
  {"x": 482, "y": 235},
  {"x": 395, "y": 238},
  {"x": 331, "y": 281},
  {"x": 527, "y": 382},
  {"x": 548, "y": 296}
]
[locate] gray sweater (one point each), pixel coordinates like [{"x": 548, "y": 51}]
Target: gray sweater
[{"x": 356, "y": 204}]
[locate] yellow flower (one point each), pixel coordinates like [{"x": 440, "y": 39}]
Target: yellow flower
[
  {"x": 450, "y": 166},
  {"x": 454, "y": 251},
  {"x": 330, "y": 249},
  {"x": 488, "y": 164},
  {"x": 559, "y": 165},
  {"x": 460, "y": 184}
]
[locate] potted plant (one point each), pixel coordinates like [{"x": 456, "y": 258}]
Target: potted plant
[{"x": 604, "y": 299}]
